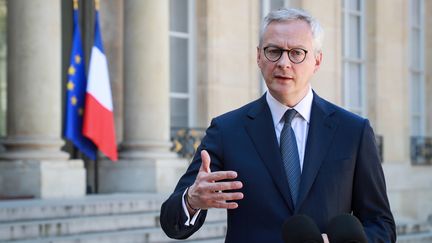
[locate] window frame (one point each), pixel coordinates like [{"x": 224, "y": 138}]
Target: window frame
[
  {"x": 190, "y": 36},
  {"x": 360, "y": 61},
  {"x": 417, "y": 71}
]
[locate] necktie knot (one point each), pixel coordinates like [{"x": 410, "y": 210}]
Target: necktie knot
[{"x": 289, "y": 115}]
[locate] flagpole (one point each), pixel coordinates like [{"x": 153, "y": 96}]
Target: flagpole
[
  {"x": 96, "y": 162},
  {"x": 96, "y": 175},
  {"x": 98, "y": 122}
]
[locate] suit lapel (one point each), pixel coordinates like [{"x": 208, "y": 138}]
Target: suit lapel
[
  {"x": 321, "y": 131},
  {"x": 260, "y": 128}
]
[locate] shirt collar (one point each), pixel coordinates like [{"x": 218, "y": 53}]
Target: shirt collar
[{"x": 278, "y": 109}]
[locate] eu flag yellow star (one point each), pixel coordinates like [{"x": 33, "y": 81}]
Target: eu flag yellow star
[
  {"x": 70, "y": 85},
  {"x": 80, "y": 111},
  {"x": 74, "y": 100},
  {"x": 71, "y": 70},
  {"x": 77, "y": 59}
]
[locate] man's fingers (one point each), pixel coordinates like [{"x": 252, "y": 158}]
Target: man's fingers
[
  {"x": 222, "y": 204},
  {"x": 222, "y": 186},
  {"x": 205, "y": 164},
  {"x": 212, "y": 199},
  {"x": 226, "y": 196},
  {"x": 206, "y": 192},
  {"x": 221, "y": 175}
]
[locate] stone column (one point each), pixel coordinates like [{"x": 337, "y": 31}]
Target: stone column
[
  {"x": 221, "y": 32},
  {"x": 32, "y": 164},
  {"x": 392, "y": 77},
  {"x": 146, "y": 164}
]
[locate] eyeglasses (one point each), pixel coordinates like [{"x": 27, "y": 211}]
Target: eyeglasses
[{"x": 296, "y": 55}]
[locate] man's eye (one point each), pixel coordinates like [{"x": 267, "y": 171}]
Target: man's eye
[
  {"x": 273, "y": 51},
  {"x": 296, "y": 52}
]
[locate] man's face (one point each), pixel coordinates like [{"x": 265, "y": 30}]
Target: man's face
[{"x": 288, "y": 82}]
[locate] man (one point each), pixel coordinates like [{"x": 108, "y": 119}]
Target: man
[{"x": 289, "y": 152}]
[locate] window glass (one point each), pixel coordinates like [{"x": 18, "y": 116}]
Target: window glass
[
  {"x": 179, "y": 112},
  {"x": 179, "y": 15},
  {"x": 179, "y": 65},
  {"x": 355, "y": 85}
]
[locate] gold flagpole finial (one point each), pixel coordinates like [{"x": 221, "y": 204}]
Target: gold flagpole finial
[
  {"x": 75, "y": 4},
  {"x": 97, "y": 5}
]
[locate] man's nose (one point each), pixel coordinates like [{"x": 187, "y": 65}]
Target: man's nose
[{"x": 284, "y": 61}]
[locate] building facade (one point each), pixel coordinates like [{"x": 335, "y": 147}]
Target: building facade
[{"x": 175, "y": 64}]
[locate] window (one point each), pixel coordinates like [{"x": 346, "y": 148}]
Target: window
[
  {"x": 416, "y": 67},
  {"x": 353, "y": 61},
  {"x": 268, "y": 5},
  {"x": 182, "y": 58}
]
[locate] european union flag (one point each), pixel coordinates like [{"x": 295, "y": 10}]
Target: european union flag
[{"x": 76, "y": 90}]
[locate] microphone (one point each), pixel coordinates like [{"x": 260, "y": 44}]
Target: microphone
[
  {"x": 346, "y": 228},
  {"x": 301, "y": 229}
]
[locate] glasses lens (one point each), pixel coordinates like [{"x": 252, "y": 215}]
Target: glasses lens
[
  {"x": 273, "y": 53},
  {"x": 297, "y": 55}
]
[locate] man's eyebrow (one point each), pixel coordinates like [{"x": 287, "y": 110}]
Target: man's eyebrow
[
  {"x": 277, "y": 46},
  {"x": 273, "y": 45}
]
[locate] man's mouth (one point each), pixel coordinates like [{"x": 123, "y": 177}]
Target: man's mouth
[{"x": 283, "y": 77}]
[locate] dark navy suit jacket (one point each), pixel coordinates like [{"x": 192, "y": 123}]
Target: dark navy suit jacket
[{"x": 341, "y": 174}]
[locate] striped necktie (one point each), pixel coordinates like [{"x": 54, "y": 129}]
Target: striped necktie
[{"x": 290, "y": 156}]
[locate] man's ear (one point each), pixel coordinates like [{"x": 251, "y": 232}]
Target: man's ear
[
  {"x": 318, "y": 60},
  {"x": 258, "y": 56}
]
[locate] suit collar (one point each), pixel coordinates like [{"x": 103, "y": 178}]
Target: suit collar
[
  {"x": 278, "y": 109},
  {"x": 260, "y": 128},
  {"x": 321, "y": 132}
]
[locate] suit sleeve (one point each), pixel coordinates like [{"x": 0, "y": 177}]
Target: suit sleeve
[
  {"x": 370, "y": 202},
  {"x": 172, "y": 216}
]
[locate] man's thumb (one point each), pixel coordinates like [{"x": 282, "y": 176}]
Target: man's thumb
[{"x": 205, "y": 164}]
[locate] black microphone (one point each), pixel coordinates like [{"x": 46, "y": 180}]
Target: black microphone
[
  {"x": 346, "y": 228},
  {"x": 301, "y": 229}
]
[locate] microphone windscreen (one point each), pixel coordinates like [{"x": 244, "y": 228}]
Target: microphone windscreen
[
  {"x": 301, "y": 229},
  {"x": 346, "y": 228}
]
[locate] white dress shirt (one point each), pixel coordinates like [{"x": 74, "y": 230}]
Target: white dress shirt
[{"x": 300, "y": 125}]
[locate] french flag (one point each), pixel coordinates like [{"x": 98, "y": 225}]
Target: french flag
[{"x": 98, "y": 112}]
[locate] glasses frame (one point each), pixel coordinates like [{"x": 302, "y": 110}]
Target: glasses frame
[{"x": 282, "y": 52}]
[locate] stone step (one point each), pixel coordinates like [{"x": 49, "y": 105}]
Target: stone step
[
  {"x": 413, "y": 227},
  {"x": 32, "y": 229},
  {"x": 211, "y": 232},
  {"x": 72, "y": 226},
  {"x": 424, "y": 237},
  {"x": 92, "y": 205}
]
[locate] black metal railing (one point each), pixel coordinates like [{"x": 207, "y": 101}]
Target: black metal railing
[
  {"x": 186, "y": 140},
  {"x": 421, "y": 150}
]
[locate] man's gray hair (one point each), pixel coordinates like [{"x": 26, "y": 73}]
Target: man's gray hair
[{"x": 285, "y": 14}]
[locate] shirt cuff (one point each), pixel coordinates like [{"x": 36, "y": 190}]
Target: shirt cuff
[{"x": 189, "y": 221}]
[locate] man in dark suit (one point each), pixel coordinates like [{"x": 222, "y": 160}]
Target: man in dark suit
[{"x": 289, "y": 152}]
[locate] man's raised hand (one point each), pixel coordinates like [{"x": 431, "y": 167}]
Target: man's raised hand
[{"x": 209, "y": 192}]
